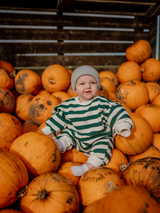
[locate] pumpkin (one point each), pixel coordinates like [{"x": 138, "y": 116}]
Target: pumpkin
[
  {"x": 56, "y": 78},
  {"x": 150, "y": 70},
  {"x": 5, "y": 80},
  {"x": 144, "y": 172},
  {"x": 139, "y": 51},
  {"x": 10, "y": 129},
  {"x": 8, "y": 67},
  {"x": 103, "y": 91},
  {"x": 108, "y": 84},
  {"x": 65, "y": 170},
  {"x": 48, "y": 193},
  {"x": 62, "y": 95},
  {"x": 133, "y": 93},
  {"x": 71, "y": 92},
  {"x": 128, "y": 198},
  {"x": 39, "y": 152},
  {"x": 92, "y": 207},
  {"x": 29, "y": 126},
  {"x": 27, "y": 81},
  {"x": 9, "y": 211},
  {"x": 153, "y": 89},
  {"x": 7, "y": 100},
  {"x": 151, "y": 112},
  {"x": 116, "y": 160},
  {"x": 112, "y": 96},
  {"x": 41, "y": 107},
  {"x": 95, "y": 183},
  {"x": 73, "y": 155},
  {"x": 152, "y": 151},
  {"x": 123, "y": 104},
  {"x": 109, "y": 74},
  {"x": 129, "y": 70},
  {"x": 156, "y": 100},
  {"x": 156, "y": 140},
  {"x": 140, "y": 139},
  {"x": 22, "y": 106},
  {"x": 14, "y": 178}
]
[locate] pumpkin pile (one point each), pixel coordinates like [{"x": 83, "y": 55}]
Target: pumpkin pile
[{"x": 36, "y": 178}]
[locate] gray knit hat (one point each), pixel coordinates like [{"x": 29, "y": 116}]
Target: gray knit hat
[{"x": 84, "y": 70}]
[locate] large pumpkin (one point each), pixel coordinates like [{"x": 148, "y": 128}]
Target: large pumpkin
[
  {"x": 139, "y": 51},
  {"x": 56, "y": 78},
  {"x": 109, "y": 74},
  {"x": 108, "y": 84},
  {"x": 13, "y": 178},
  {"x": 10, "y": 129},
  {"x": 27, "y": 81},
  {"x": 133, "y": 93},
  {"x": 8, "y": 67},
  {"x": 39, "y": 152},
  {"x": 95, "y": 183},
  {"x": 153, "y": 89},
  {"x": 156, "y": 140},
  {"x": 7, "y": 100},
  {"x": 5, "y": 80},
  {"x": 9, "y": 211},
  {"x": 29, "y": 126},
  {"x": 128, "y": 198},
  {"x": 62, "y": 95},
  {"x": 48, "y": 193},
  {"x": 156, "y": 100},
  {"x": 140, "y": 138}
]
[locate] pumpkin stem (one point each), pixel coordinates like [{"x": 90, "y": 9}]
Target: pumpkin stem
[
  {"x": 42, "y": 194},
  {"x": 22, "y": 192},
  {"x": 12, "y": 74},
  {"x": 110, "y": 186},
  {"x": 142, "y": 69},
  {"x": 123, "y": 166},
  {"x": 51, "y": 81},
  {"x": 131, "y": 82}
]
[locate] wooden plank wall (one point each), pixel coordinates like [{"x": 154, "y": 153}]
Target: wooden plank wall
[{"x": 36, "y": 39}]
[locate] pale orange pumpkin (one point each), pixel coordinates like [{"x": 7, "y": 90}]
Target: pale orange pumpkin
[
  {"x": 139, "y": 51},
  {"x": 5, "y": 80},
  {"x": 56, "y": 78},
  {"x": 153, "y": 89},
  {"x": 29, "y": 126},
  {"x": 14, "y": 178},
  {"x": 62, "y": 95},
  {"x": 150, "y": 70},
  {"x": 133, "y": 93},
  {"x": 7, "y": 100},
  {"x": 48, "y": 193},
  {"x": 27, "y": 81},
  {"x": 140, "y": 138},
  {"x": 108, "y": 84},
  {"x": 109, "y": 74},
  {"x": 39, "y": 152},
  {"x": 151, "y": 112},
  {"x": 10, "y": 129},
  {"x": 129, "y": 70}
]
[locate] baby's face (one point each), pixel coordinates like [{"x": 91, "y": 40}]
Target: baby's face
[{"x": 86, "y": 87}]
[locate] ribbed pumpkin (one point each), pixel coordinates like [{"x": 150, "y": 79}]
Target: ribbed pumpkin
[
  {"x": 9, "y": 211},
  {"x": 14, "y": 178},
  {"x": 129, "y": 70},
  {"x": 41, "y": 107},
  {"x": 10, "y": 129},
  {"x": 128, "y": 198},
  {"x": 151, "y": 112},
  {"x": 151, "y": 70},
  {"x": 145, "y": 173},
  {"x": 29, "y": 126},
  {"x": 153, "y": 89},
  {"x": 62, "y": 95},
  {"x": 48, "y": 193},
  {"x": 27, "y": 81},
  {"x": 156, "y": 100},
  {"x": 140, "y": 138},
  {"x": 109, "y": 74},
  {"x": 56, "y": 78},
  {"x": 8, "y": 67},
  {"x": 22, "y": 106},
  {"x": 39, "y": 152},
  {"x": 92, "y": 207},
  {"x": 139, "y": 51},
  {"x": 5, "y": 80},
  {"x": 7, "y": 100},
  {"x": 133, "y": 93},
  {"x": 108, "y": 84},
  {"x": 95, "y": 184},
  {"x": 156, "y": 140}
]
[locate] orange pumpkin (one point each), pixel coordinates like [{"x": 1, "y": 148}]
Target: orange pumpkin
[
  {"x": 144, "y": 172},
  {"x": 71, "y": 92},
  {"x": 151, "y": 112},
  {"x": 156, "y": 100},
  {"x": 27, "y": 81},
  {"x": 140, "y": 138},
  {"x": 7, "y": 100},
  {"x": 151, "y": 70},
  {"x": 156, "y": 140},
  {"x": 10, "y": 129},
  {"x": 133, "y": 93},
  {"x": 108, "y": 84},
  {"x": 41, "y": 107},
  {"x": 8, "y": 67},
  {"x": 152, "y": 151},
  {"x": 9, "y": 211},
  {"x": 29, "y": 126},
  {"x": 14, "y": 178},
  {"x": 128, "y": 71},
  {"x": 56, "y": 78},
  {"x": 139, "y": 51},
  {"x": 109, "y": 74},
  {"x": 23, "y": 103},
  {"x": 153, "y": 89},
  {"x": 5, "y": 80},
  {"x": 92, "y": 207},
  {"x": 48, "y": 193},
  {"x": 128, "y": 198},
  {"x": 123, "y": 104},
  {"x": 95, "y": 184},
  {"x": 65, "y": 170},
  {"x": 103, "y": 91},
  {"x": 62, "y": 95},
  {"x": 39, "y": 152}
]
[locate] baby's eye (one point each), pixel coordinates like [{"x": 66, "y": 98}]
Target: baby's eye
[
  {"x": 81, "y": 83},
  {"x": 92, "y": 82}
]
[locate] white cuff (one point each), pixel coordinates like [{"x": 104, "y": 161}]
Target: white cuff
[
  {"x": 123, "y": 129},
  {"x": 46, "y": 130},
  {"x": 95, "y": 161}
]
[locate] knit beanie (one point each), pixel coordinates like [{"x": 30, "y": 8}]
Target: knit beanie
[{"x": 84, "y": 70}]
